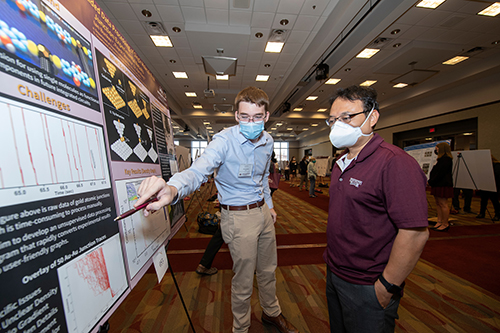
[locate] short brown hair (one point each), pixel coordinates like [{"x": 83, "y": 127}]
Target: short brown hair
[{"x": 252, "y": 95}]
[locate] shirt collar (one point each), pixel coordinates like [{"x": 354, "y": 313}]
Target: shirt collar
[{"x": 370, "y": 147}]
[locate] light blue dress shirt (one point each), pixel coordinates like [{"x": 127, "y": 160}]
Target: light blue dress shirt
[{"x": 243, "y": 169}]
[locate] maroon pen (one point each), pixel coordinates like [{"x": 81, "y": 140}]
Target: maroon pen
[{"x": 136, "y": 209}]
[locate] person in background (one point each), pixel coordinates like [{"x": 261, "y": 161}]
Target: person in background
[
  {"x": 377, "y": 218},
  {"x": 293, "y": 169},
  {"x": 242, "y": 155},
  {"x": 493, "y": 196},
  {"x": 455, "y": 202},
  {"x": 311, "y": 175},
  {"x": 287, "y": 171},
  {"x": 441, "y": 183},
  {"x": 303, "y": 173},
  {"x": 274, "y": 176}
]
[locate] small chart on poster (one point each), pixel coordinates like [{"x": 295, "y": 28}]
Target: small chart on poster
[
  {"x": 142, "y": 235},
  {"x": 46, "y": 155},
  {"x": 91, "y": 283}
]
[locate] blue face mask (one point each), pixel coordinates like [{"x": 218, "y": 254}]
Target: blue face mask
[{"x": 251, "y": 130}]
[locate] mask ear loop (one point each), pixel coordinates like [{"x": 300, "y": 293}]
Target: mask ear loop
[{"x": 363, "y": 124}]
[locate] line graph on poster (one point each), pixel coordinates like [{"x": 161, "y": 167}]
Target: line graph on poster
[
  {"x": 47, "y": 155},
  {"x": 91, "y": 283},
  {"x": 142, "y": 236}
]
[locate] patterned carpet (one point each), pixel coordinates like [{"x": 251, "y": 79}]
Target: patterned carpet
[{"x": 439, "y": 297}]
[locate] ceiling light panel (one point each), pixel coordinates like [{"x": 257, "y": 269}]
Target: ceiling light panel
[
  {"x": 311, "y": 98},
  {"x": 400, "y": 85},
  {"x": 190, "y": 94},
  {"x": 492, "y": 10},
  {"x": 368, "y": 83},
  {"x": 432, "y": 4},
  {"x": 367, "y": 53},
  {"x": 262, "y": 78},
  {"x": 222, "y": 77},
  {"x": 274, "y": 47},
  {"x": 180, "y": 75},
  {"x": 297, "y": 109},
  {"x": 161, "y": 41},
  {"x": 332, "y": 81},
  {"x": 322, "y": 110},
  {"x": 455, "y": 60}
]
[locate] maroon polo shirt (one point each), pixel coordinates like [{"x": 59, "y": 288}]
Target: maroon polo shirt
[{"x": 381, "y": 191}]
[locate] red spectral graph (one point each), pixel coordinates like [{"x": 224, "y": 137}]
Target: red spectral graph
[{"x": 46, "y": 154}]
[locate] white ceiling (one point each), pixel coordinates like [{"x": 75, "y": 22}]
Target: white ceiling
[{"x": 329, "y": 31}]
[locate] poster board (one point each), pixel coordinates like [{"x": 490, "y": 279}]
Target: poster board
[
  {"x": 321, "y": 166},
  {"x": 424, "y": 154},
  {"x": 472, "y": 169},
  {"x": 84, "y": 122}
]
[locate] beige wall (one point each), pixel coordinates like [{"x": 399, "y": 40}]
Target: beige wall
[{"x": 488, "y": 124}]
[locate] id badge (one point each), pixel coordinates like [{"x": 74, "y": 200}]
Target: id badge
[{"x": 245, "y": 170}]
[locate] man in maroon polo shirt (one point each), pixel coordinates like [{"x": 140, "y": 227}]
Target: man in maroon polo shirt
[{"x": 377, "y": 222}]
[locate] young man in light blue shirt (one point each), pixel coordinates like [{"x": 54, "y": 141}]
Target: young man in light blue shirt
[{"x": 241, "y": 154}]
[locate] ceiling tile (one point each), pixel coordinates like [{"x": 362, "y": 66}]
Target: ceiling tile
[
  {"x": 291, "y": 21},
  {"x": 194, "y": 14},
  {"x": 192, "y": 3},
  {"x": 132, "y": 26},
  {"x": 122, "y": 10},
  {"x": 217, "y": 4},
  {"x": 141, "y": 1},
  {"x": 314, "y": 7},
  {"x": 237, "y": 17},
  {"x": 169, "y": 13},
  {"x": 181, "y": 42},
  {"x": 290, "y": 6},
  {"x": 138, "y": 8},
  {"x": 297, "y": 37},
  {"x": 257, "y": 46},
  {"x": 265, "y": 5},
  {"x": 305, "y": 22},
  {"x": 319, "y": 24},
  {"x": 262, "y": 20},
  {"x": 166, "y": 2},
  {"x": 142, "y": 40},
  {"x": 217, "y": 16},
  {"x": 434, "y": 18}
]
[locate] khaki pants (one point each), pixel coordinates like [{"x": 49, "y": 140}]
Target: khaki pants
[
  {"x": 251, "y": 239},
  {"x": 304, "y": 180}
]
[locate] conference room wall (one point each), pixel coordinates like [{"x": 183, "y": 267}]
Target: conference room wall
[{"x": 488, "y": 124}]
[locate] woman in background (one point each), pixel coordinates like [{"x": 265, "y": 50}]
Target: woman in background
[
  {"x": 441, "y": 182},
  {"x": 274, "y": 175},
  {"x": 311, "y": 174}
]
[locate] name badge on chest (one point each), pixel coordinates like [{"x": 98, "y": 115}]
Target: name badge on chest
[{"x": 245, "y": 170}]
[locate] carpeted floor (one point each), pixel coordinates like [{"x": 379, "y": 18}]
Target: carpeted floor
[{"x": 453, "y": 288}]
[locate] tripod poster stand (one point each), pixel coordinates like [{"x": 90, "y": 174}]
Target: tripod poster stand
[{"x": 473, "y": 169}]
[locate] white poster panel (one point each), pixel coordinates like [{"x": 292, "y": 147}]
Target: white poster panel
[
  {"x": 473, "y": 169},
  {"x": 424, "y": 154}
]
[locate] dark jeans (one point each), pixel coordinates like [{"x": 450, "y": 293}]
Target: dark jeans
[
  {"x": 212, "y": 248},
  {"x": 354, "y": 308},
  {"x": 493, "y": 196},
  {"x": 467, "y": 198},
  {"x": 312, "y": 182}
]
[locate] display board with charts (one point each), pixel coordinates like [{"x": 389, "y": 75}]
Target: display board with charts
[{"x": 84, "y": 122}]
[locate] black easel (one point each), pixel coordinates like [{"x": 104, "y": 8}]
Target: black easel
[
  {"x": 179, "y": 292},
  {"x": 456, "y": 167}
]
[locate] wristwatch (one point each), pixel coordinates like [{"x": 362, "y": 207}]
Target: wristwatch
[{"x": 391, "y": 288}]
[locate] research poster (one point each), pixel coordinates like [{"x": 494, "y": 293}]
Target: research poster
[{"x": 83, "y": 122}]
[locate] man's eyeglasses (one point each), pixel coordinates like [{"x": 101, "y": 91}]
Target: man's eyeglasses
[
  {"x": 246, "y": 118},
  {"x": 346, "y": 118}
]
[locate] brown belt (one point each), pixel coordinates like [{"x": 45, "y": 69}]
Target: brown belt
[{"x": 251, "y": 206}]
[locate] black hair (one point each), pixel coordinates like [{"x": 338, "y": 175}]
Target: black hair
[{"x": 357, "y": 93}]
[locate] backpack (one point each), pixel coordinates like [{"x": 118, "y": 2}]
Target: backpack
[{"x": 208, "y": 223}]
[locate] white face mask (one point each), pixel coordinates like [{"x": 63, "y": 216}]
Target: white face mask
[{"x": 343, "y": 135}]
